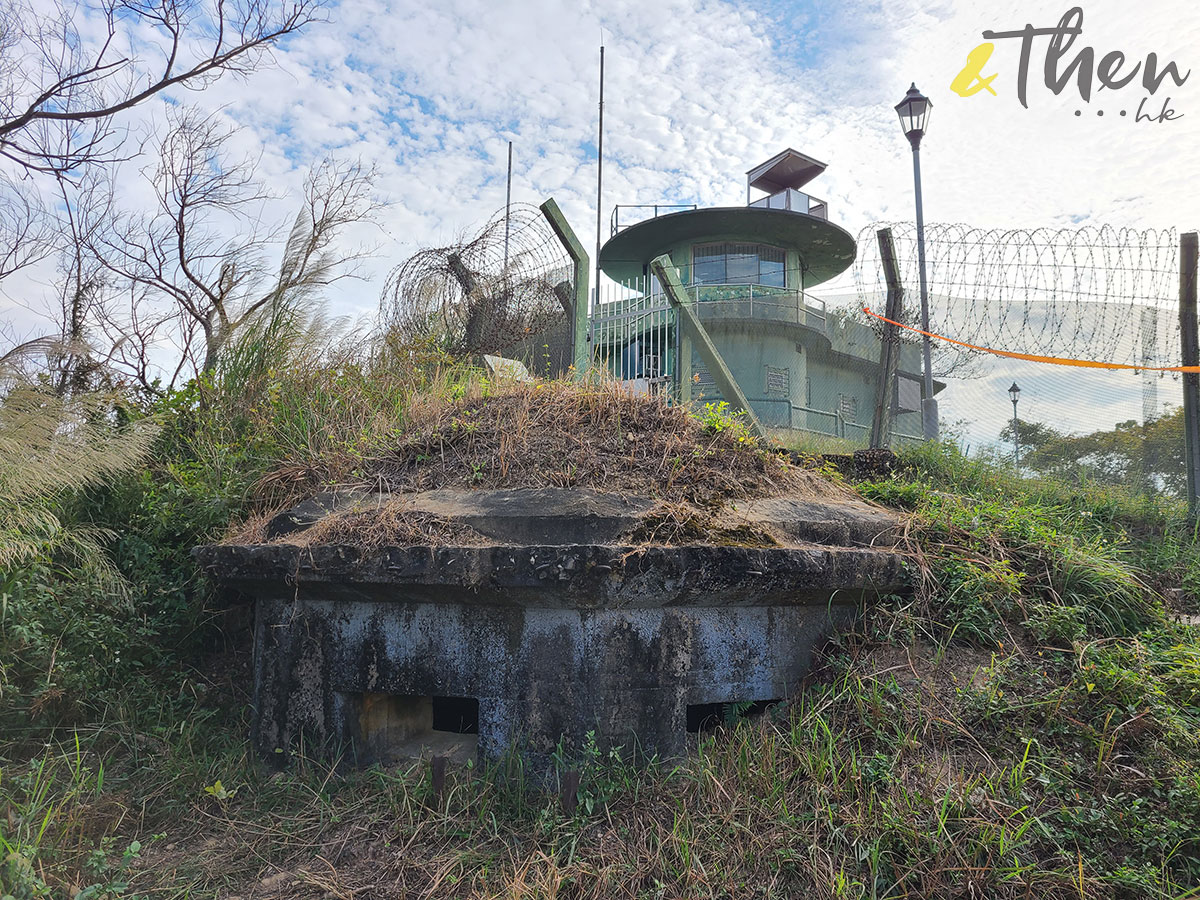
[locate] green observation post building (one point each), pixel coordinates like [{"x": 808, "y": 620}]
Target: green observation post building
[{"x": 747, "y": 272}]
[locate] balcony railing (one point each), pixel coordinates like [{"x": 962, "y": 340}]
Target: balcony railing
[
  {"x": 794, "y": 201},
  {"x": 730, "y": 301},
  {"x": 833, "y": 424},
  {"x": 632, "y": 216},
  {"x": 760, "y": 301}
]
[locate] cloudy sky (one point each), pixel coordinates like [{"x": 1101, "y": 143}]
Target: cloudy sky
[{"x": 698, "y": 91}]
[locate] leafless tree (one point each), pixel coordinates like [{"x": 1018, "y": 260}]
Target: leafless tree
[
  {"x": 138, "y": 334},
  {"x": 205, "y": 250},
  {"x": 69, "y": 70},
  {"x": 107, "y": 327},
  {"x": 26, "y": 230},
  {"x": 82, "y": 283}
]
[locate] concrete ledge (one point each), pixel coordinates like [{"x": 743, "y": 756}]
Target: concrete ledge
[
  {"x": 826, "y": 522},
  {"x": 567, "y": 576},
  {"x": 567, "y": 516},
  {"x": 537, "y": 515}
]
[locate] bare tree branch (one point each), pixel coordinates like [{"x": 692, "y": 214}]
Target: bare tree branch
[
  {"x": 63, "y": 84},
  {"x": 26, "y": 230},
  {"x": 70, "y": 70},
  {"x": 214, "y": 275}
]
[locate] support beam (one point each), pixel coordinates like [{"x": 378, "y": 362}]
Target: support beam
[
  {"x": 690, "y": 325},
  {"x": 580, "y": 351},
  {"x": 889, "y": 351}
]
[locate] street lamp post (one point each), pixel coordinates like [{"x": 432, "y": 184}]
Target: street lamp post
[
  {"x": 1015, "y": 393},
  {"x": 914, "y": 119}
]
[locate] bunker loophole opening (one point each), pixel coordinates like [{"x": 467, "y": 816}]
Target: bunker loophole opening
[
  {"x": 706, "y": 717},
  {"x": 457, "y": 715},
  {"x": 393, "y": 726}
]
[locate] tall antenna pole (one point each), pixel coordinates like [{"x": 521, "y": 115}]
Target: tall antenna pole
[
  {"x": 507, "y": 206},
  {"x": 599, "y": 177}
]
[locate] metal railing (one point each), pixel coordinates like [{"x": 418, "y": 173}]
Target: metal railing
[
  {"x": 657, "y": 209},
  {"x": 771, "y": 302},
  {"x": 794, "y": 201},
  {"x": 635, "y": 337},
  {"x": 741, "y": 300},
  {"x": 841, "y": 427}
]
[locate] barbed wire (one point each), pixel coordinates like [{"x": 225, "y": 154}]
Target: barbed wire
[
  {"x": 503, "y": 287},
  {"x": 1093, "y": 292}
]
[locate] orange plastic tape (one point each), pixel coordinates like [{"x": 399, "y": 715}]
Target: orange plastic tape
[{"x": 1053, "y": 360}]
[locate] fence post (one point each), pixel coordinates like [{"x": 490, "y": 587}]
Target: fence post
[
  {"x": 581, "y": 353},
  {"x": 1190, "y": 339},
  {"x": 889, "y": 349},
  {"x": 664, "y": 271}
]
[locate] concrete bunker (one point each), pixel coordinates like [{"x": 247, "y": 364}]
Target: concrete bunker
[
  {"x": 474, "y": 648},
  {"x": 545, "y": 567}
]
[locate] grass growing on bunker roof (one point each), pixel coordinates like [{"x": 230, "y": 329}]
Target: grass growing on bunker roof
[
  {"x": 369, "y": 523},
  {"x": 596, "y": 435},
  {"x": 549, "y": 434}
]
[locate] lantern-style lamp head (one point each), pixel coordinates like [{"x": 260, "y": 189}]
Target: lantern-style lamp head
[
  {"x": 1015, "y": 393},
  {"x": 914, "y": 114}
]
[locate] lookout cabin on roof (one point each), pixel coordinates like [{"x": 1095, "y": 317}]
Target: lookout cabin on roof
[{"x": 750, "y": 270}]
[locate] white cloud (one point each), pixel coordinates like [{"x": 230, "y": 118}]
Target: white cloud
[{"x": 697, "y": 91}]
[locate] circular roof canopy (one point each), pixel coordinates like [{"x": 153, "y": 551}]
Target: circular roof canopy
[{"x": 826, "y": 249}]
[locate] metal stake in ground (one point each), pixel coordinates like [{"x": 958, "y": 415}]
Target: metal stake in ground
[
  {"x": 437, "y": 777},
  {"x": 1188, "y": 253},
  {"x": 569, "y": 794},
  {"x": 889, "y": 351}
]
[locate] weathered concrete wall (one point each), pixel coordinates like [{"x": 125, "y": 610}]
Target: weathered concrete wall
[
  {"x": 355, "y": 648},
  {"x": 540, "y": 675}
]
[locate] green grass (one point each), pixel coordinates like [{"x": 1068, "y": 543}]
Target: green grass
[
  {"x": 903, "y": 771},
  {"x": 1023, "y": 723}
]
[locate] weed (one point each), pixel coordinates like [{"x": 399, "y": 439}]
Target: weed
[{"x": 1024, "y": 724}]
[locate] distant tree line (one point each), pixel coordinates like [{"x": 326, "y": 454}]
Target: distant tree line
[{"x": 1146, "y": 457}]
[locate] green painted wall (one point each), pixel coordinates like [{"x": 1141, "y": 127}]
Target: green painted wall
[
  {"x": 827, "y": 373},
  {"x": 797, "y": 369}
]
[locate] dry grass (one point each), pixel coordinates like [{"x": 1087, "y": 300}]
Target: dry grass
[
  {"x": 873, "y": 778},
  {"x": 388, "y": 523},
  {"x": 678, "y": 523},
  {"x": 381, "y": 522},
  {"x": 252, "y": 530},
  {"x": 596, "y": 435}
]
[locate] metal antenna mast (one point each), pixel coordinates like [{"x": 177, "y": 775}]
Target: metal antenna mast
[
  {"x": 507, "y": 206},
  {"x": 599, "y": 177}
]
